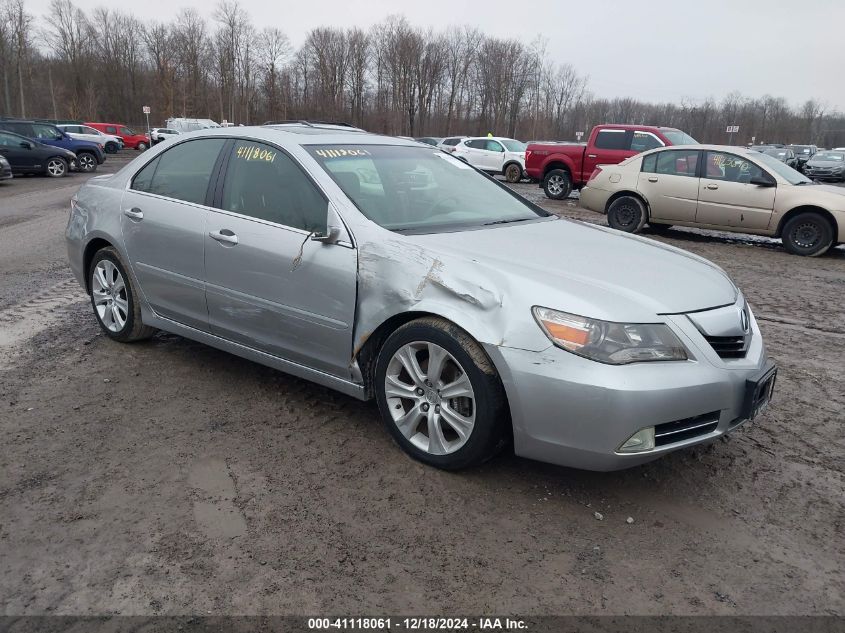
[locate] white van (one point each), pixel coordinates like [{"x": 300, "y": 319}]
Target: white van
[{"x": 189, "y": 125}]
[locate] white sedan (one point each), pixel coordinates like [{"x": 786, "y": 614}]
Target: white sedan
[{"x": 495, "y": 155}]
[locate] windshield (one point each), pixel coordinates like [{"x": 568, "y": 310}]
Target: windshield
[
  {"x": 419, "y": 190},
  {"x": 829, "y": 156},
  {"x": 512, "y": 145},
  {"x": 801, "y": 149},
  {"x": 782, "y": 169},
  {"x": 676, "y": 137},
  {"x": 775, "y": 152}
]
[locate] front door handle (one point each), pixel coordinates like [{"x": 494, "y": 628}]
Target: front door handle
[
  {"x": 652, "y": 178},
  {"x": 135, "y": 213},
  {"x": 591, "y": 155},
  {"x": 224, "y": 236},
  {"x": 712, "y": 186}
]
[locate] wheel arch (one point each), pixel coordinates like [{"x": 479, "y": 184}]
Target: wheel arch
[
  {"x": 91, "y": 249},
  {"x": 513, "y": 161},
  {"x": 367, "y": 353},
  {"x": 557, "y": 163},
  {"x": 632, "y": 194},
  {"x": 808, "y": 208}
]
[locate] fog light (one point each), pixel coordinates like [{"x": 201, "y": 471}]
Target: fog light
[{"x": 640, "y": 441}]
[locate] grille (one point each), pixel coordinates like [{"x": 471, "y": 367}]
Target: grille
[
  {"x": 685, "y": 429},
  {"x": 729, "y": 346}
]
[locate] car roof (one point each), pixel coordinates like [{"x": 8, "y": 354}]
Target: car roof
[{"x": 298, "y": 134}]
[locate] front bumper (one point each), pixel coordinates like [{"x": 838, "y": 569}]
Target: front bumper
[
  {"x": 5, "y": 172},
  {"x": 572, "y": 411}
]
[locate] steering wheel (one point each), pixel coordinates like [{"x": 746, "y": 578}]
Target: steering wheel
[{"x": 436, "y": 205}]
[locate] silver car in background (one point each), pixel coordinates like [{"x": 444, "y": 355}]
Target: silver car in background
[{"x": 389, "y": 270}]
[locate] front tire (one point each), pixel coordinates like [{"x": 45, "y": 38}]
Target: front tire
[
  {"x": 114, "y": 297},
  {"x": 557, "y": 184},
  {"x": 513, "y": 173},
  {"x": 809, "y": 234},
  {"x": 440, "y": 396},
  {"x": 627, "y": 214},
  {"x": 56, "y": 167},
  {"x": 87, "y": 162}
]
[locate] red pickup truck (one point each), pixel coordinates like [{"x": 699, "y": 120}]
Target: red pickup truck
[{"x": 562, "y": 167}]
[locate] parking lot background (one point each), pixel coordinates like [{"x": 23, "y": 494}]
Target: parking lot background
[{"x": 169, "y": 477}]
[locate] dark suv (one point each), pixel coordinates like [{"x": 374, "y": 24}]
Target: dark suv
[
  {"x": 88, "y": 155},
  {"x": 30, "y": 157}
]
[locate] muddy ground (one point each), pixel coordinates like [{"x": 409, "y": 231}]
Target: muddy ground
[{"x": 170, "y": 478}]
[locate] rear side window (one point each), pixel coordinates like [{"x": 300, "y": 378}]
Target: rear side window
[
  {"x": 182, "y": 172},
  {"x": 677, "y": 162},
  {"x": 494, "y": 146},
  {"x": 24, "y": 129},
  {"x": 111, "y": 129},
  {"x": 263, "y": 182},
  {"x": 613, "y": 139},
  {"x": 644, "y": 141},
  {"x": 451, "y": 141},
  {"x": 476, "y": 143}
]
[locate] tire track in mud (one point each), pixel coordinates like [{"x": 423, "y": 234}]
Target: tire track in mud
[{"x": 22, "y": 321}]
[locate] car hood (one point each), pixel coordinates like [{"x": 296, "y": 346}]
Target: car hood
[
  {"x": 825, "y": 163},
  {"x": 581, "y": 268}
]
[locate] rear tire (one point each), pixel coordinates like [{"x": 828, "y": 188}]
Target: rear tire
[
  {"x": 114, "y": 298},
  {"x": 141, "y": 147},
  {"x": 111, "y": 148},
  {"x": 557, "y": 184},
  {"x": 513, "y": 173},
  {"x": 449, "y": 409},
  {"x": 809, "y": 234},
  {"x": 627, "y": 214}
]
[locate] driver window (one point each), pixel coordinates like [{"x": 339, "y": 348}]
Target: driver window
[
  {"x": 262, "y": 182},
  {"x": 730, "y": 168},
  {"x": 46, "y": 132}
]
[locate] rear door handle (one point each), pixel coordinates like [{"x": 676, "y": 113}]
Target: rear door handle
[
  {"x": 591, "y": 155},
  {"x": 712, "y": 186},
  {"x": 652, "y": 178},
  {"x": 135, "y": 213},
  {"x": 224, "y": 236}
]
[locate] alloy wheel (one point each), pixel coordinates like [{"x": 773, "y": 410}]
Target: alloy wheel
[
  {"x": 55, "y": 167},
  {"x": 555, "y": 184},
  {"x": 110, "y": 297},
  {"x": 430, "y": 398},
  {"x": 87, "y": 162}
]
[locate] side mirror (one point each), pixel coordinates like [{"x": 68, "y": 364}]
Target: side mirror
[
  {"x": 331, "y": 236},
  {"x": 26, "y": 144},
  {"x": 763, "y": 181}
]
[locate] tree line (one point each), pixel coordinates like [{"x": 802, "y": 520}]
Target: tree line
[{"x": 393, "y": 78}]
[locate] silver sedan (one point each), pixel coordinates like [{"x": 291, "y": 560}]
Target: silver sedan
[{"x": 387, "y": 269}]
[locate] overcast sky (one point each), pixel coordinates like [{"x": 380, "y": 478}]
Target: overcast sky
[{"x": 657, "y": 50}]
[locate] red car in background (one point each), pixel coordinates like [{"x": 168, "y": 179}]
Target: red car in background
[
  {"x": 131, "y": 138},
  {"x": 562, "y": 167}
]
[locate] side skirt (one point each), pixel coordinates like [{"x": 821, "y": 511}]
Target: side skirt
[{"x": 294, "y": 369}]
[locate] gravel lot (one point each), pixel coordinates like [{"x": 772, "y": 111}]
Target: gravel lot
[{"x": 170, "y": 478}]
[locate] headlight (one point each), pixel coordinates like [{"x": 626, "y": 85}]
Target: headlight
[{"x": 608, "y": 342}]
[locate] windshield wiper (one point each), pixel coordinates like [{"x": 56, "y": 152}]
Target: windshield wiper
[
  {"x": 803, "y": 182},
  {"x": 506, "y": 221}
]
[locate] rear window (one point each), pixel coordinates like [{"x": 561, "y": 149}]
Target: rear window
[
  {"x": 182, "y": 172},
  {"x": 612, "y": 139}
]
